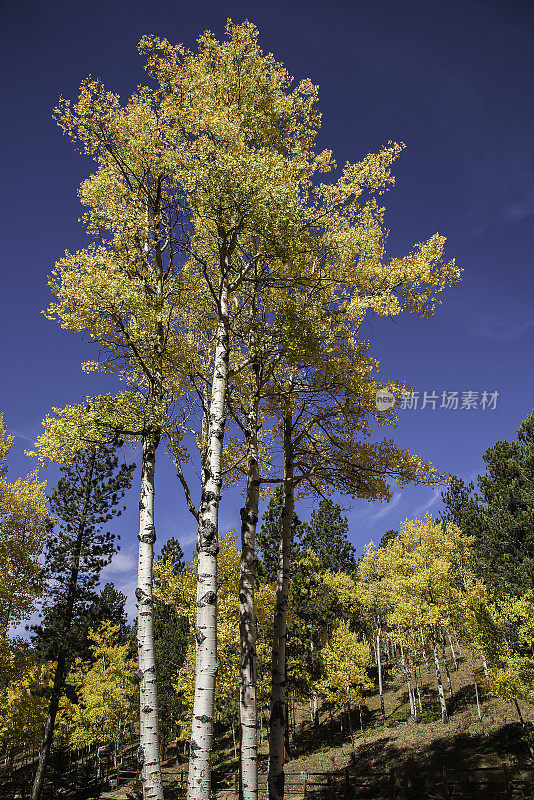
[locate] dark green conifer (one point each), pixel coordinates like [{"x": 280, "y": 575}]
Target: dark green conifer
[{"x": 78, "y": 548}]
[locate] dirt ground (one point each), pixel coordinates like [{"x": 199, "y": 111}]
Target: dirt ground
[{"x": 467, "y": 757}]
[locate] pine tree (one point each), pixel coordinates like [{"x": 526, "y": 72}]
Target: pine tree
[
  {"x": 506, "y": 541},
  {"x": 171, "y": 633},
  {"x": 78, "y": 548},
  {"x": 109, "y": 606},
  {"x": 326, "y": 535},
  {"x": 500, "y": 515},
  {"x": 268, "y": 537},
  {"x": 387, "y": 537}
]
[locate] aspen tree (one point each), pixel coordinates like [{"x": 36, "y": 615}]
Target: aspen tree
[
  {"x": 124, "y": 291},
  {"x": 321, "y": 448},
  {"x": 346, "y": 659},
  {"x": 428, "y": 569},
  {"x": 23, "y": 521},
  {"x": 264, "y": 193},
  {"x": 25, "y": 705},
  {"x": 374, "y": 597},
  {"x": 228, "y": 151},
  {"x": 105, "y": 688},
  {"x": 178, "y": 590},
  {"x": 243, "y": 147},
  {"x": 505, "y": 628},
  {"x": 65, "y": 435}
]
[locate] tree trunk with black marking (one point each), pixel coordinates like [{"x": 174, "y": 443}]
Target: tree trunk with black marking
[
  {"x": 441, "y": 693},
  {"x": 148, "y": 752},
  {"x": 247, "y": 617},
  {"x": 199, "y": 779},
  {"x": 278, "y": 721},
  {"x": 379, "y": 670}
]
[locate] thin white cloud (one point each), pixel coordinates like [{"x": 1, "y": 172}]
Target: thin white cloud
[
  {"x": 395, "y": 500},
  {"x": 128, "y": 587},
  {"x": 515, "y": 212},
  {"x": 433, "y": 499},
  {"x": 123, "y": 561},
  {"x": 500, "y": 328},
  {"x": 188, "y": 540},
  {"x": 27, "y": 436}
]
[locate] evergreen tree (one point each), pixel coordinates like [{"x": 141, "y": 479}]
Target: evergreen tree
[
  {"x": 170, "y": 641},
  {"x": 312, "y": 610},
  {"x": 506, "y": 547},
  {"x": 268, "y": 537},
  {"x": 388, "y": 537},
  {"x": 106, "y": 606},
  {"x": 78, "y": 548},
  {"x": 501, "y": 517},
  {"x": 109, "y": 606},
  {"x": 326, "y": 535}
]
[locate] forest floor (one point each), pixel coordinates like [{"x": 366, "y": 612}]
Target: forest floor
[{"x": 466, "y": 758}]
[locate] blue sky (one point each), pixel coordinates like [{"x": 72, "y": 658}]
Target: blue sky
[{"x": 453, "y": 80}]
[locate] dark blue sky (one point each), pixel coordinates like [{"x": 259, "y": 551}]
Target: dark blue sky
[{"x": 452, "y": 79}]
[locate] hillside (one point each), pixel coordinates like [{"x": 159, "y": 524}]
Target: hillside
[{"x": 467, "y": 758}]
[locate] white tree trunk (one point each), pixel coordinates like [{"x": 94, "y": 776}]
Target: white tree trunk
[
  {"x": 484, "y": 664},
  {"x": 418, "y": 691},
  {"x": 379, "y": 668},
  {"x": 247, "y": 616},
  {"x": 449, "y": 682},
  {"x": 423, "y": 649},
  {"x": 411, "y": 695},
  {"x": 148, "y": 753},
  {"x": 278, "y": 721},
  {"x": 199, "y": 778},
  {"x": 478, "y": 700},
  {"x": 441, "y": 694},
  {"x": 454, "y": 661}
]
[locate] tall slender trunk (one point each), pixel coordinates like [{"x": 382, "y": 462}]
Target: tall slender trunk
[
  {"x": 148, "y": 753},
  {"x": 475, "y": 682},
  {"x": 411, "y": 696},
  {"x": 351, "y": 734},
  {"x": 287, "y": 743},
  {"x": 441, "y": 694},
  {"x": 247, "y": 618},
  {"x": 314, "y": 705},
  {"x": 379, "y": 668},
  {"x": 199, "y": 778},
  {"x": 453, "y": 654},
  {"x": 278, "y": 722},
  {"x": 423, "y": 649},
  {"x": 448, "y": 674},
  {"x": 477, "y": 699},
  {"x": 61, "y": 663},
  {"x": 48, "y": 735},
  {"x": 418, "y": 689},
  {"x": 484, "y": 664}
]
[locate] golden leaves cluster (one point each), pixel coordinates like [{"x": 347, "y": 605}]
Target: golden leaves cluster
[{"x": 23, "y": 520}]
